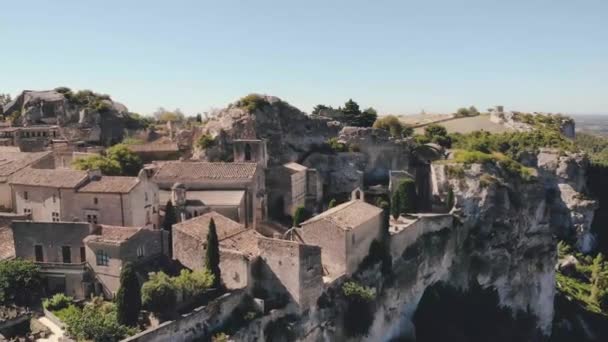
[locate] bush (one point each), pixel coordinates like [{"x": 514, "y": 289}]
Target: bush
[
  {"x": 336, "y": 146},
  {"x": 57, "y": 302},
  {"x": 352, "y": 289},
  {"x": 20, "y": 281},
  {"x": 251, "y": 103},
  {"x": 205, "y": 141},
  {"x": 450, "y": 198},
  {"x": 299, "y": 216},
  {"x": 193, "y": 283},
  {"x": 159, "y": 294},
  {"x": 96, "y": 321},
  {"x": 404, "y": 198},
  {"x": 394, "y": 126}
]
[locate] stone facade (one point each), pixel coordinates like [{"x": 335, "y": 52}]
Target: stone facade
[
  {"x": 205, "y": 176},
  {"x": 344, "y": 234},
  {"x": 68, "y": 195},
  {"x": 59, "y": 250},
  {"x": 110, "y": 247},
  {"x": 290, "y": 269},
  {"x": 13, "y": 164}
]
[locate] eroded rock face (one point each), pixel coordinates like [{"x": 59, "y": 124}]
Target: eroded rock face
[
  {"x": 290, "y": 133},
  {"x": 564, "y": 178},
  {"x": 78, "y": 123}
]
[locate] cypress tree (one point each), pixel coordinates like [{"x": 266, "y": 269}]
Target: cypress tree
[
  {"x": 299, "y": 216},
  {"x": 450, "y": 199},
  {"x": 170, "y": 220},
  {"x": 212, "y": 254},
  {"x": 128, "y": 298},
  {"x": 395, "y": 206}
]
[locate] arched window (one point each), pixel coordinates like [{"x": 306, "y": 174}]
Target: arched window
[
  {"x": 247, "y": 152},
  {"x": 357, "y": 195}
]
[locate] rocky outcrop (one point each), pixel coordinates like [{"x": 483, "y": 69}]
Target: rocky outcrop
[
  {"x": 290, "y": 133},
  {"x": 564, "y": 179},
  {"x": 82, "y": 116}
]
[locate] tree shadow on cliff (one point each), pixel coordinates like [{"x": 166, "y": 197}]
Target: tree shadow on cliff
[
  {"x": 597, "y": 183},
  {"x": 475, "y": 315}
]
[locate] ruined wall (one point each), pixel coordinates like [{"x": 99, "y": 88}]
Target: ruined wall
[
  {"x": 235, "y": 268},
  {"x": 401, "y": 239},
  {"x": 200, "y": 324}
]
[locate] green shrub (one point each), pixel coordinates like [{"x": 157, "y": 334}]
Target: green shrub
[
  {"x": 70, "y": 312},
  {"x": 205, "y": 141},
  {"x": 96, "y": 321},
  {"x": 159, "y": 294},
  {"x": 20, "y": 281},
  {"x": 251, "y": 103},
  {"x": 299, "y": 216},
  {"x": 352, "y": 289},
  {"x": 336, "y": 146},
  {"x": 193, "y": 283},
  {"x": 57, "y": 302},
  {"x": 394, "y": 126},
  {"x": 404, "y": 198}
]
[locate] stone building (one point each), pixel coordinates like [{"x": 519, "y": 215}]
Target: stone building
[
  {"x": 279, "y": 271},
  {"x": 250, "y": 150},
  {"x": 68, "y": 195},
  {"x": 13, "y": 164},
  {"x": 293, "y": 185},
  {"x": 202, "y": 180},
  {"x": 29, "y": 138},
  {"x": 58, "y": 248},
  {"x": 80, "y": 258},
  {"x": 112, "y": 246},
  {"x": 193, "y": 203},
  {"x": 238, "y": 246},
  {"x": 344, "y": 234}
]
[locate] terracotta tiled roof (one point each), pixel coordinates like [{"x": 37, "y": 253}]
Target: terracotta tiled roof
[
  {"x": 112, "y": 234},
  {"x": 154, "y": 147},
  {"x": 245, "y": 242},
  {"x": 348, "y": 215},
  {"x": 7, "y": 244},
  {"x": 203, "y": 171},
  {"x": 198, "y": 227},
  {"x": 111, "y": 184},
  {"x": 11, "y": 162},
  {"x": 55, "y": 178}
]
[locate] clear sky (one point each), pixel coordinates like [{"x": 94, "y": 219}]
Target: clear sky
[{"x": 397, "y": 56}]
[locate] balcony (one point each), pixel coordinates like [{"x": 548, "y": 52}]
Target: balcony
[{"x": 61, "y": 268}]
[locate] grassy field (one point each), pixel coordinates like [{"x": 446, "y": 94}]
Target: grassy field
[{"x": 469, "y": 124}]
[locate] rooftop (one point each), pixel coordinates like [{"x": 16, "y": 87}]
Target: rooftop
[
  {"x": 198, "y": 227},
  {"x": 11, "y": 162},
  {"x": 245, "y": 241},
  {"x": 208, "y": 197},
  {"x": 185, "y": 172},
  {"x": 112, "y": 234},
  {"x": 348, "y": 215},
  {"x": 295, "y": 167},
  {"x": 111, "y": 184},
  {"x": 53, "y": 178},
  {"x": 154, "y": 147}
]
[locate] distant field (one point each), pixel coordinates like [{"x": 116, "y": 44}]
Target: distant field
[
  {"x": 468, "y": 125},
  {"x": 589, "y": 123}
]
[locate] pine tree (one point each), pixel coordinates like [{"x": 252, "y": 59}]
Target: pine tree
[
  {"x": 351, "y": 112},
  {"x": 596, "y": 279},
  {"x": 128, "y": 298},
  {"x": 212, "y": 254},
  {"x": 332, "y": 203}
]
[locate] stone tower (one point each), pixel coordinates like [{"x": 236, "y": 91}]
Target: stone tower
[{"x": 251, "y": 151}]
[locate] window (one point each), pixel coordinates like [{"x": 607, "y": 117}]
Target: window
[
  {"x": 140, "y": 252},
  {"x": 102, "y": 258},
  {"x": 38, "y": 253},
  {"x": 153, "y": 210},
  {"x": 247, "y": 152},
  {"x": 95, "y": 200},
  {"x": 25, "y": 195},
  {"x": 55, "y": 216},
  {"x": 92, "y": 218},
  {"x": 54, "y": 198},
  {"x": 66, "y": 253},
  {"x": 146, "y": 196},
  {"x": 27, "y": 211},
  {"x": 148, "y": 217},
  {"x": 83, "y": 255},
  {"x": 353, "y": 239}
]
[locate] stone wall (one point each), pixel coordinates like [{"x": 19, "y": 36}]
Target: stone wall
[
  {"x": 291, "y": 269},
  {"x": 401, "y": 239},
  {"x": 51, "y": 236},
  {"x": 332, "y": 240},
  {"x": 200, "y": 324}
]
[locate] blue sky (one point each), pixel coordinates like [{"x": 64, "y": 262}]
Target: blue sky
[{"x": 397, "y": 56}]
